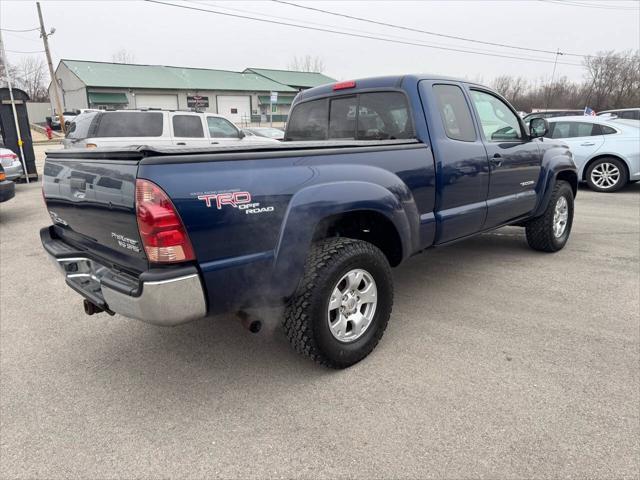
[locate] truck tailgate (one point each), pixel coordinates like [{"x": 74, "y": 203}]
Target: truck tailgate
[{"x": 92, "y": 205}]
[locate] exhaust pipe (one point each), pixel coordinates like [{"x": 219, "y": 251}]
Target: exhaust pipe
[
  {"x": 90, "y": 308},
  {"x": 249, "y": 322}
]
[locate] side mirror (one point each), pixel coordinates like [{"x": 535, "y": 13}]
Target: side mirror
[
  {"x": 538, "y": 127},
  {"x": 241, "y": 134}
]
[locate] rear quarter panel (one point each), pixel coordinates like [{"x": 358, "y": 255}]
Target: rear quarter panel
[{"x": 256, "y": 255}]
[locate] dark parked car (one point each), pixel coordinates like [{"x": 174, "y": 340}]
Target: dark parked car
[
  {"x": 624, "y": 113},
  {"x": 266, "y": 132},
  {"x": 552, "y": 114},
  {"x": 7, "y": 187}
]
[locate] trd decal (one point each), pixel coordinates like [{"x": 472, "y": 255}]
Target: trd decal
[
  {"x": 228, "y": 198},
  {"x": 240, "y": 200}
]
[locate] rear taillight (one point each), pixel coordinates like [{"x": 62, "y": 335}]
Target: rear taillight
[
  {"x": 163, "y": 235},
  {"x": 12, "y": 156}
]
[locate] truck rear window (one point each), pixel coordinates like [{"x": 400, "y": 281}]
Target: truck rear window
[
  {"x": 365, "y": 116},
  {"x": 130, "y": 124}
]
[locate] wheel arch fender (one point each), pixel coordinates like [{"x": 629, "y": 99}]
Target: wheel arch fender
[
  {"x": 311, "y": 205},
  {"x": 557, "y": 164}
]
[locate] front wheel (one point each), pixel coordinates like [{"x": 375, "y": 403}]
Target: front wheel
[
  {"x": 550, "y": 232},
  {"x": 342, "y": 305}
]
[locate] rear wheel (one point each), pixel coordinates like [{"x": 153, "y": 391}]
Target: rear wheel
[
  {"x": 550, "y": 232},
  {"x": 343, "y": 303},
  {"x": 606, "y": 174}
]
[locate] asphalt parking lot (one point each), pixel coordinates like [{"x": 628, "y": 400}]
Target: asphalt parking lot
[{"x": 499, "y": 362}]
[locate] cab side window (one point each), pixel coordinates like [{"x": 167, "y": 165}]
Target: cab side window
[
  {"x": 455, "y": 114},
  {"x": 498, "y": 122}
]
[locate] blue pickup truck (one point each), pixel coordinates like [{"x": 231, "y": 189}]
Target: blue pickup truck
[{"x": 370, "y": 173}]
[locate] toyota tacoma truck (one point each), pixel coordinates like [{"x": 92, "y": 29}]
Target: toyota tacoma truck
[{"x": 370, "y": 173}]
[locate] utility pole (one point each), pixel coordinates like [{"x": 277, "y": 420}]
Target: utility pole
[
  {"x": 13, "y": 107},
  {"x": 45, "y": 38}
]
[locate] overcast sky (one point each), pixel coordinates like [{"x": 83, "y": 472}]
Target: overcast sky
[{"x": 158, "y": 34}]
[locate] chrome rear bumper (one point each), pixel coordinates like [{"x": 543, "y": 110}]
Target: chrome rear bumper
[{"x": 168, "y": 297}]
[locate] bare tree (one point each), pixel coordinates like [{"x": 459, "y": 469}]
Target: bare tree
[
  {"x": 4, "y": 69},
  {"x": 307, "y": 63},
  {"x": 612, "y": 81},
  {"x": 30, "y": 75},
  {"x": 123, "y": 56}
]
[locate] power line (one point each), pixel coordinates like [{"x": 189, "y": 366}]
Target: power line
[
  {"x": 570, "y": 3},
  {"x": 306, "y": 22},
  {"x": 19, "y": 31},
  {"x": 437, "y": 34},
  {"x": 16, "y": 51},
  {"x": 370, "y": 37}
]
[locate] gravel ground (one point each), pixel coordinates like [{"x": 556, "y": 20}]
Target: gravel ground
[{"x": 499, "y": 362}]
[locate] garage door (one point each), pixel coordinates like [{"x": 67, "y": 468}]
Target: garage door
[
  {"x": 236, "y": 108},
  {"x": 167, "y": 102}
]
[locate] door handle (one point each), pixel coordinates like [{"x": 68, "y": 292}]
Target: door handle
[
  {"x": 496, "y": 160},
  {"x": 587, "y": 144},
  {"x": 180, "y": 143}
]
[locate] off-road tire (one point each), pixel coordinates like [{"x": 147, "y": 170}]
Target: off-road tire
[
  {"x": 305, "y": 321},
  {"x": 622, "y": 179},
  {"x": 539, "y": 231}
]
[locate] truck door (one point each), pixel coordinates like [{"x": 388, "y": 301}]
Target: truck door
[
  {"x": 188, "y": 129},
  {"x": 462, "y": 169},
  {"x": 514, "y": 159}
]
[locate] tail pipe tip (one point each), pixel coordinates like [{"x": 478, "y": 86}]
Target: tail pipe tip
[{"x": 249, "y": 322}]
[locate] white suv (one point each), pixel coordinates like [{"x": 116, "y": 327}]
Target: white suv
[{"x": 122, "y": 128}]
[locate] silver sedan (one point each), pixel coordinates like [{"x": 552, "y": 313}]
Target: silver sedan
[
  {"x": 606, "y": 150},
  {"x": 11, "y": 164}
]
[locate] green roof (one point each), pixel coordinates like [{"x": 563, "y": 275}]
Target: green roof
[
  {"x": 293, "y": 78},
  {"x": 120, "y": 75},
  {"x": 282, "y": 100}
]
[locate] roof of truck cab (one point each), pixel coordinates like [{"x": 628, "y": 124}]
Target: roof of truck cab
[{"x": 388, "y": 81}]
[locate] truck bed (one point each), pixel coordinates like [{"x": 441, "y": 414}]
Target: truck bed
[{"x": 241, "y": 152}]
